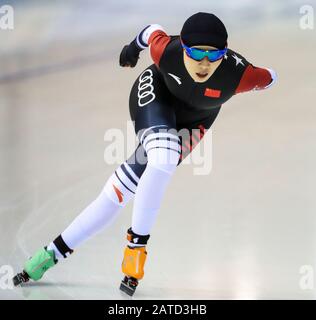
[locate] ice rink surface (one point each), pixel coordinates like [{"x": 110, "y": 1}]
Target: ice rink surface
[{"x": 244, "y": 231}]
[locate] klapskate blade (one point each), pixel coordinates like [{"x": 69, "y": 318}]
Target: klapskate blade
[{"x": 128, "y": 290}]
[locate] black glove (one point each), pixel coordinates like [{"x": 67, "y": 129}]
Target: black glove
[{"x": 130, "y": 55}]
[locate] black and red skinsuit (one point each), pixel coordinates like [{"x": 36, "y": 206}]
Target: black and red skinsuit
[{"x": 165, "y": 95}]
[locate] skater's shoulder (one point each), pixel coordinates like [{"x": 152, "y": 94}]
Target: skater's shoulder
[
  {"x": 240, "y": 53},
  {"x": 174, "y": 45},
  {"x": 171, "y": 53},
  {"x": 234, "y": 62}
]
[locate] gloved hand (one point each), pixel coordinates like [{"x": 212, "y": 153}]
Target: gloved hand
[{"x": 129, "y": 55}]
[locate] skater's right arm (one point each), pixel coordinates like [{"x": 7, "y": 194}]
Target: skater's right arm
[{"x": 153, "y": 35}]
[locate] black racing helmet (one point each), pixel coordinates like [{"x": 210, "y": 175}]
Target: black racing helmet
[{"x": 204, "y": 29}]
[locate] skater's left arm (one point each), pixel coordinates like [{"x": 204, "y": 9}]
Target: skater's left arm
[
  {"x": 255, "y": 78},
  {"x": 154, "y": 36}
]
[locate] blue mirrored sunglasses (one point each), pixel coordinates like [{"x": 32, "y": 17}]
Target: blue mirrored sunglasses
[{"x": 199, "y": 54}]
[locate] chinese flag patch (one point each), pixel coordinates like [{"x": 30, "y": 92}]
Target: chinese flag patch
[{"x": 212, "y": 93}]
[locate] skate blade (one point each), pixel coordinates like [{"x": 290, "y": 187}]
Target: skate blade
[
  {"x": 127, "y": 289},
  {"x": 20, "y": 279},
  {"x": 17, "y": 281}
]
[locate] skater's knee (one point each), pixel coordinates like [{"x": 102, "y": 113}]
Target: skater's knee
[
  {"x": 121, "y": 186},
  {"x": 163, "y": 152},
  {"x": 163, "y": 159}
]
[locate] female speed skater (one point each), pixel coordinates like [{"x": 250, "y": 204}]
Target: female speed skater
[{"x": 193, "y": 74}]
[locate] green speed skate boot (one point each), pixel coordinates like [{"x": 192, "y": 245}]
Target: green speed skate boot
[{"x": 36, "y": 266}]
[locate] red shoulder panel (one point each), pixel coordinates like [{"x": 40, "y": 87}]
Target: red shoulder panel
[
  {"x": 158, "y": 41},
  {"x": 254, "y": 78}
]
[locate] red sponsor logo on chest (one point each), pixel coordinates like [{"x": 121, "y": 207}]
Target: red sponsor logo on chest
[{"x": 212, "y": 93}]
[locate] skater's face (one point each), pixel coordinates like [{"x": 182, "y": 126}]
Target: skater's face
[{"x": 200, "y": 71}]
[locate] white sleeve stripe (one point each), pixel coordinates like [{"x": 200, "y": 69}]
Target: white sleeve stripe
[
  {"x": 140, "y": 44},
  {"x": 139, "y": 41},
  {"x": 145, "y": 34},
  {"x": 273, "y": 76}
]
